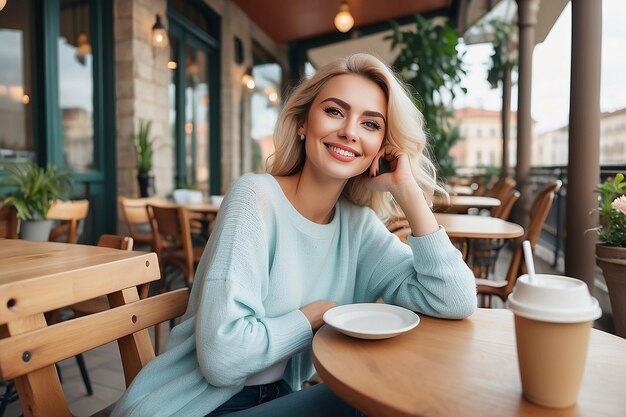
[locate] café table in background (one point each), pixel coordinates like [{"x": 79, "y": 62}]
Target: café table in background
[
  {"x": 461, "y": 228},
  {"x": 459, "y": 368},
  {"x": 462, "y": 203},
  {"x": 207, "y": 212},
  {"x": 478, "y": 227}
]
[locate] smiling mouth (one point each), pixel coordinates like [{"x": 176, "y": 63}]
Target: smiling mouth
[{"x": 342, "y": 152}]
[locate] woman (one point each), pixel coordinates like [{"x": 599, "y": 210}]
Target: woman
[{"x": 291, "y": 244}]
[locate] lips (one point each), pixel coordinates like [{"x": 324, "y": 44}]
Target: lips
[{"x": 342, "y": 153}]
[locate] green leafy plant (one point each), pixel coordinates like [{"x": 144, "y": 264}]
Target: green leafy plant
[
  {"x": 35, "y": 188},
  {"x": 428, "y": 60},
  {"x": 504, "y": 57},
  {"x": 143, "y": 146},
  {"x": 612, "y": 212}
]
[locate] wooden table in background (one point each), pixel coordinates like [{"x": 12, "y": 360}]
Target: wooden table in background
[
  {"x": 207, "y": 213},
  {"x": 460, "y": 189},
  {"x": 462, "y": 203},
  {"x": 478, "y": 227},
  {"x": 459, "y": 368}
]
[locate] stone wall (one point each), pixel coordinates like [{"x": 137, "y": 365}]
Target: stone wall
[
  {"x": 142, "y": 81},
  {"x": 141, "y": 92}
]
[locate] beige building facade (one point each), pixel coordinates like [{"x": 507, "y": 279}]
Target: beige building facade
[
  {"x": 480, "y": 144},
  {"x": 551, "y": 148}
]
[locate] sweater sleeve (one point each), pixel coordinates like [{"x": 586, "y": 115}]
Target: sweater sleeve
[
  {"x": 234, "y": 337},
  {"x": 428, "y": 275}
]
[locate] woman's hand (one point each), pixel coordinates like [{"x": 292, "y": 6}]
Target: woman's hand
[
  {"x": 401, "y": 183},
  {"x": 400, "y": 173},
  {"x": 315, "y": 311}
]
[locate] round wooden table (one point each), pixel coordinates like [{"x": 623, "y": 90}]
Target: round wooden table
[
  {"x": 456, "y": 368},
  {"x": 462, "y": 203},
  {"x": 479, "y": 227}
]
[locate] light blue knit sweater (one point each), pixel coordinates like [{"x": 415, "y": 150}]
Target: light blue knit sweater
[{"x": 262, "y": 263}]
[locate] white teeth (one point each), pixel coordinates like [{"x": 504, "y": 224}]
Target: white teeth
[{"x": 341, "y": 151}]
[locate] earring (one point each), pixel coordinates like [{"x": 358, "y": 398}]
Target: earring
[{"x": 302, "y": 137}]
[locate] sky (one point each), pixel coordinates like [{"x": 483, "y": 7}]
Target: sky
[{"x": 551, "y": 71}]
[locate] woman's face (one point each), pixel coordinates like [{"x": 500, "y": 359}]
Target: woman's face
[{"x": 345, "y": 126}]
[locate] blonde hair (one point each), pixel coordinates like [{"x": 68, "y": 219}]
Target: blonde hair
[{"x": 405, "y": 129}]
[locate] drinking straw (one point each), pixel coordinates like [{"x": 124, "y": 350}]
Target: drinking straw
[{"x": 528, "y": 257}]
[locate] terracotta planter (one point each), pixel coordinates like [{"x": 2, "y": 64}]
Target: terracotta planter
[{"x": 612, "y": 260}]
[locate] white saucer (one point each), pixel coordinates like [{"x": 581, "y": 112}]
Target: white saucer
[{"x": 371, "y": 320}]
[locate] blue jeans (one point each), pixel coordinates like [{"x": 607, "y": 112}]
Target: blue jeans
[{"x": 277, "y": 400}]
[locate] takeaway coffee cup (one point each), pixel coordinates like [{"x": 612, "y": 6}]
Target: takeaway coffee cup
[{"x": 553, "y": 317}]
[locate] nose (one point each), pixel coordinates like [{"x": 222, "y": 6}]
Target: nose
[{"x": 348, "y": 130}]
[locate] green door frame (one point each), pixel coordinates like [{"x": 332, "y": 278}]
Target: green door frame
[
  {"x": 188, "y": 34},
  {"x": 100, "y": 185}
]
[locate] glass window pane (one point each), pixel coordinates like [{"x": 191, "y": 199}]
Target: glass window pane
[
  {"x": 16, "y": 135},
  {"x": 265, "y": 103},
  {"x": 197, "y": 117},
  {"x": 76, "y": 85}
]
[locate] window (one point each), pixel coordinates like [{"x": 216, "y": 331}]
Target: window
[
  {"x": 76, "y": 85},
  {"x": 265, "y": 104},
  {"x": 16, "y": 114}
]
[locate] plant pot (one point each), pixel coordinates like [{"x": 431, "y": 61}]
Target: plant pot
[
  {"x": 612, "y": 260},
  {"x": 146, "y": 184},
  {"x": 35, "y": 229}
]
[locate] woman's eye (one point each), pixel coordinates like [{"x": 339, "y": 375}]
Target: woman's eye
[
  {"x": 333, "y": 110},
  {"x": 372, "y": 125}
]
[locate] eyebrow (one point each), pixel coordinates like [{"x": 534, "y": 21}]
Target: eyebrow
[{"x": 346, "y": 106}]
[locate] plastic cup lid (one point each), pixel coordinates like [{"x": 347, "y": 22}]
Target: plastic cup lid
[{"x": 554, "y": 299}]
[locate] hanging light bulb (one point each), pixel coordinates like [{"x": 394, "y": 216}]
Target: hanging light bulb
[
  {"x": 343, "y": 19},
  {"x": 248, "y": 80},
  {"x": 159, "y": 34},
  {"x": 83, "y": 47}
]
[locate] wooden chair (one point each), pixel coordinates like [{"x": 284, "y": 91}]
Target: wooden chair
[
  {"x": 538, "y": 212},
  {"x": 501, "y": 191},
  {"x": 29, "y": 349},
  {"x": 8, "y": 222},
  {"x": 136, "y": 217},
  {"x": 504, "y": 211},
  {"x": 96, "y": 305},
  {"x": 400, "y": 228},
  {"x": 70, "y": 213},
  {"x": 172, "y": 241},
  {"x": 484, "y": 252}
]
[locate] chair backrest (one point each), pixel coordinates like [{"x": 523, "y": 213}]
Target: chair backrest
[
  {"x": 122, "y": 243},
  {"x": 538, "y": 212},
  {"x": 400, "y": 228},
  {"x": 29, "y": 348},
  {"x": 69, "y": 212},
  {"x": 172, "y": 235},
  {"x": 116, "y": 242},
  {"x": 135, "y": 216},
  {"x": 8, "y": 222},
  {"x": 501, "y": 191},
  {"x": 504, "y": 211}
]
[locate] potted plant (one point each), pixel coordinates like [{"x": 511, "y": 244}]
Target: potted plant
[
  {"x": 144, "y": 149},
  {"x": 35, "y": 188},
  {"x": 611, "y": 248}
]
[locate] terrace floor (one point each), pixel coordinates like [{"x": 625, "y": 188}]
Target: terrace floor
[{"x": 105, "y": 370}]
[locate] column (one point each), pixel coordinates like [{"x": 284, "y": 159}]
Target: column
[
  {"x": 584, "y": 140},
  {"x": 527, "y": 20}
]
